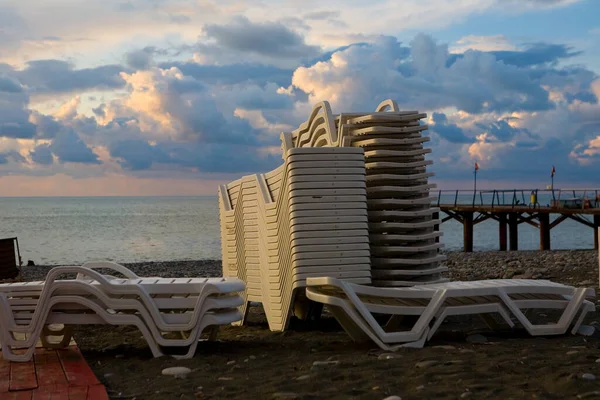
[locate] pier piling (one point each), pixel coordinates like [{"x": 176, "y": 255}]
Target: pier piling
[
  {"x": 468, "y": 231},
  {"x": 513, "y": 230},
  {"x": 544, "y": 231},
  {"x": 502, "y": 230}
]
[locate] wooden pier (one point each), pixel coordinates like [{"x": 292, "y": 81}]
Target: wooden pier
[{"x": 581, "y": 205}]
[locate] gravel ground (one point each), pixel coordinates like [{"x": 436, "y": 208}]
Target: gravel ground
[{"x": 463, "y": 360}]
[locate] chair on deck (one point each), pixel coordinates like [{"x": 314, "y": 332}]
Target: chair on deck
[{"x": 10, "y": 260}]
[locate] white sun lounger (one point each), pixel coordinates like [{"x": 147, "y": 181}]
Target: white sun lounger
[
  {"x": 306, "y": 218},
  {"x": 158, "y": 305},
  {"x": 399, "y": 205},
  {"x": 353, "y": 306}
]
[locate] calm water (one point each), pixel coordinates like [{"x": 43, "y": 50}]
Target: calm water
[{"x": 132, "y": 229}]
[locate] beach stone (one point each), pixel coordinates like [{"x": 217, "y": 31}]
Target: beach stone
[
  {"x": 588, "y": 377},
  {"x": 393, "y": 398},
  {"x": 303, "y": 378},
  {"x": 444, "y": 347},
  {"x": 477, "y": 338},
  {"x": 178, "y": 372},
  {"x": 572, "y": 352},
  {"x": 588, "y": 395},
  {"x": 286, "y": 395},
  {"x": 231, "y": 362},
  {"x": 586, "y": 330},
  {"x": 466, "y": 394},
  {"x": 322, "y": 365},
  {"x": 426, "y": 364},
  {"x": 388, "y": 356},
  {"x": 224, "y": 378}
]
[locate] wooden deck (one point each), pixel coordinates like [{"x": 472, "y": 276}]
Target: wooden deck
[{"x": 52, "y": 374}]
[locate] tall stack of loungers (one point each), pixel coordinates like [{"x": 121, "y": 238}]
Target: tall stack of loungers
[
  {"x": 404, "y": 234},
  {"x": 351, "y": 201}
]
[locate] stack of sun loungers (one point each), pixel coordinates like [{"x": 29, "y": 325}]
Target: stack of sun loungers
[
  {"x": 304, "y": 226},
  {"x": 306, "y": 218},
  {"x": 403, "y": 231},
  {"x": 157, "y": 306},
  {"x": 354, "y": 305}
]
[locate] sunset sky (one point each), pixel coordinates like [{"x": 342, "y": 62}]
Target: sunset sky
[{"x": 173, "y": 97}]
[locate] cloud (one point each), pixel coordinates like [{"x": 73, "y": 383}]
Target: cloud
[
  {"x": 68, "y": 147},
  {"x": 420, "y": 76},
  {"x": 271, "y": 39},
  {"x": 57, "y": 76},
  {"x": 42, "y": 154},
  {"x": 450, "y": 132}
]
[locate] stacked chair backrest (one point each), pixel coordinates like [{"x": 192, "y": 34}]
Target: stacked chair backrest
[
  {"x": 305, "y": 218},
  {"x": 403, "y": 227}
]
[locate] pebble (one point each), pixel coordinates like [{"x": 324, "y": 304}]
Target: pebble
[
  {"x": 586, "y": 330},
  {"x": 572, "y": 352},
  {"x": 393, "y": 398},
  {"x": 224, "y": 378},
  {"x": 477, "y": 338},
  {"x": 231, "y": 362},
  {"x": 388, "y": 356},
  {"x": 588, "y": 395},
  {"x": 119, "y": 356},
  {"x": 321, "y": 365},
  {"x": 303, "y": 377},
  {"x": 588, "y": 377},
  {"x": 466, "y": 394},
  {"x": 426, "y": 364},
  {"x": 444, "y": 347},
  {"x": 178, "y": 372}
]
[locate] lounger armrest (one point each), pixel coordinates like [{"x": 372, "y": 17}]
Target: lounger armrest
[{"x": 108, "y": 265}]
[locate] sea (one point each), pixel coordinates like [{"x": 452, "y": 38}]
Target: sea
[{"x": 73, "y": 230}]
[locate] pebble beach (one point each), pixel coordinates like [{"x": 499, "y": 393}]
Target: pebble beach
[{"x": 464, "y": 359}]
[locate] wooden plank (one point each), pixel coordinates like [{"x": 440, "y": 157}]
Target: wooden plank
[
  {"x": 78, "y": 392},
  {"x": 22, "y": 376},
  {"x": 4, "y": 376},
  {"x": 57, "y": 392},
  {"x": 97, "y": 392},
  {"x": 22, "y": 395},
  {"x": 49, "y": 369},
  {"x": 77, "y": 371}
]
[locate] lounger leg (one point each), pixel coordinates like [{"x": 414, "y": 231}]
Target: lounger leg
[
  {"x": 349, "y": 326},
  {"x": 66, "y": 332}
]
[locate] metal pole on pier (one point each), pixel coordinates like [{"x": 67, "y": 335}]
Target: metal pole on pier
[
  {"x": 552, "y": 182},
  {"x": 475, "y": 181}
]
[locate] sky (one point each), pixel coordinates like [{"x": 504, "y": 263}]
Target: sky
[{"x": 174, "y": 97}]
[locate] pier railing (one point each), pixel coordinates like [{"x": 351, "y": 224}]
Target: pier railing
[{"x": 535, "y": 198}]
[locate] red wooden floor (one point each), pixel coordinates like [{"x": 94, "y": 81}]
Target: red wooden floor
[{"x": 52, "y": 374}]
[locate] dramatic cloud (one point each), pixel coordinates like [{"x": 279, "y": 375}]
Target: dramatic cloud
[
  {"x": 268, "y": 39},
  {"x": 185, "y": 90}
]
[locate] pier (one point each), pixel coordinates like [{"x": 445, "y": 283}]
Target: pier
[{"x": 543, "y": 209}]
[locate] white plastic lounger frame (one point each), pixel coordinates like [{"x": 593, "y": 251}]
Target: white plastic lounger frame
[
  {"x": 397, "y": 186},
  {"x": 211, "y": 301},
  {"x": 306, "y": 218},
  {"x": 353, "y": 305}
]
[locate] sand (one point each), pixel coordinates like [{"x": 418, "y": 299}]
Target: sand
[{"x": 464, "y": 359}]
